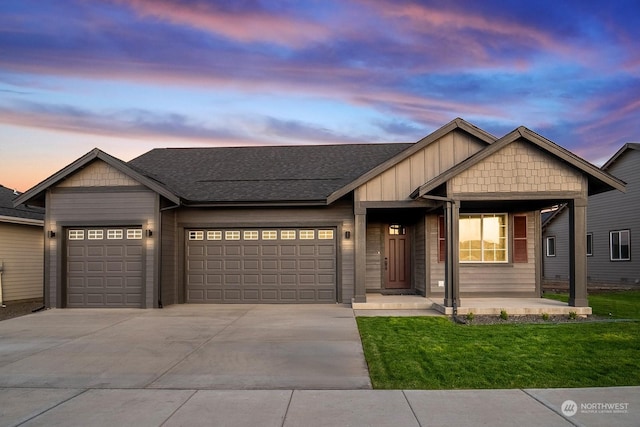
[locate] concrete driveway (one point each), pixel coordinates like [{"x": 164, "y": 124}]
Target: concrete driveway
[{"x": 192, "y": 347}]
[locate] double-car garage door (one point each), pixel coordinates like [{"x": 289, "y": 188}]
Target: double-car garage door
[
  {"x": 261, "y": 265},
  {"x": 104, "y": 267}
]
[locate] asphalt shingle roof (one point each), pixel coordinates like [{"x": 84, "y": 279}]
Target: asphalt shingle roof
[
  {"x": 7, "y": 196},
  {"x": 262, "y": 174}
]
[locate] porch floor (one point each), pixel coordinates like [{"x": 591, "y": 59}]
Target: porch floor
[{"x": 481, "y": 306}]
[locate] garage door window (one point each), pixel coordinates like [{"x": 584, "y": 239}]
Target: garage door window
[
  {"x": 307, "y": 234},
  {"x": 116, "y": 234},
  {"x": 269, "y": 235},
  {"x": 196, "y": 235},
  {"x": 231, "y": 235},
  {"x": 134, "y": 234},
  {"x": 76, "y": 234},
  {"x": 325, "y": 234},
  {"x": 214, "y": 235},
  {"x": 288, "y": 234},
  {"x": 251, "y": 235},
  {"x": 95, "y": 234}
]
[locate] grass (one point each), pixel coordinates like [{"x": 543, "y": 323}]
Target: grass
[
  {"x": 435, "y": 353},
  {"x": 621, "y": 304}
]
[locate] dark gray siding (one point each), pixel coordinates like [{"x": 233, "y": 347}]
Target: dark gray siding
[
  {"x": 616, "y": 211},
  {"x": 168, "y": 265},
  {"x": 419, "y": 263},
  {"x": 339, "y": 215},
  {"x": 97, "y": 206},
  {"x": 557, "y": 267}
]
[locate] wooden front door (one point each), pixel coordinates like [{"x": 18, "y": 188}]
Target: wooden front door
[{"x": 397, "y": 257}]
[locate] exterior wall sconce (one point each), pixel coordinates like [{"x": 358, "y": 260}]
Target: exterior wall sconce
[
  {"x": 149, "y": 233},
  {"x": 347, "y": 234},
  {"x": 52, "y": 234}
]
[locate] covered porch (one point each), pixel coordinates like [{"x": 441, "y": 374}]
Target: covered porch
[{"x": 478, "y": 306}]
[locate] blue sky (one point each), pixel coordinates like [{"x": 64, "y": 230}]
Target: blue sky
[{"x": 130, "y": 75}]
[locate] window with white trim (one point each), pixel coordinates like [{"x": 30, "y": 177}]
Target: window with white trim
[
  {"x": 134, "y": 234},
  {"x": 307, "y": 234},
  {"x": 483, "y": 238},
  {"x": 250, "y": 235},
  {"x": 269, "y": 235},
  {"x": 551, "y": 246},
  {"x": 115, "y": 234},
  {"x": 76, "y": 234},
  {"x": 620, "y": 245},
  {"x": 95, "y": 234},
  {"x": 214, "y": 235},
  {"x": 288, "y": 234},
  {"x": 325, "y": 234},
  {"x": 196, "y": 235},
  {"x": 589, "y": 244},
  {"x": 232, "y": 235}
]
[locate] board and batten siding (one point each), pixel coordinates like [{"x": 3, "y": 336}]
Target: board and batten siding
[
  {"x": 86, "y": 206},
  {"x": 21, "y": 253},
  {"x": 399, "y": 181},
  {"x": 488, "y": 279},
  {"x": 339, "y": 215}
]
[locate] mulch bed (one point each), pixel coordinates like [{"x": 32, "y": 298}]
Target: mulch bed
[
  {"x": 17, "y": 309},
  {"x": 524, "y": 319}
]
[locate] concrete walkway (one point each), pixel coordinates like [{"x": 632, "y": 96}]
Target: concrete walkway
[{"x": 147, "y": 407}]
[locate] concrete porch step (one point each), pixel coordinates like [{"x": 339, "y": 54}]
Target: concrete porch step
[{"x": 394, "y": 302}]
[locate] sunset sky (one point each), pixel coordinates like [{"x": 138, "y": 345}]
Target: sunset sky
[{"x": 130, "y": 75}]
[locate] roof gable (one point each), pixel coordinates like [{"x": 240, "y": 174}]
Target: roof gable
[
  {"x": 625, "y": 148},
  {"x": 20, "y": 213},
  {"x": 599, "y": 181},
  {"x": 116, "y": 172}
]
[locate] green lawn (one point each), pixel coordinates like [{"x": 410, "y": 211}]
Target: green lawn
[
  {"x": 435, "y": 353},
  {"x": 614, "y": 304}
]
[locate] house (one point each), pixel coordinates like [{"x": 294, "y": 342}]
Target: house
[
  {"x": 312, "y": 224},
  {"x": 613, "y": 227},
  {"x": 21, "y": 245}
]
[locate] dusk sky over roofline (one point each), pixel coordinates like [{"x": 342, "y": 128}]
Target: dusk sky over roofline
[{"x": 131, "y": 75}]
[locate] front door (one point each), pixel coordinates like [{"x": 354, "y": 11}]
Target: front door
[{"x": 397, "y": 257}]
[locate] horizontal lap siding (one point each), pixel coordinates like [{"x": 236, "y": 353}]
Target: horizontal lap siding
[
  {"x": 108, "y": 206},
  {"x": 21, "y": 251},
  {"x": 168, "y": 266},
  {"x": 339, "y": 215},
  {"x": 374, "y": 251},
  {"x": 557, "y": 267},
  {"x": 419, "y": 257}
]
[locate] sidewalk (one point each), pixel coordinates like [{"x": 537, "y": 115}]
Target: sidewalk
[{"x": 617, "y": 406}]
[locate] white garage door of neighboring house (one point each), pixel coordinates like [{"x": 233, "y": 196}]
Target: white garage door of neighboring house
[
  {"x": 265, "y": 265},
  {"x": 104, "y": 267}
]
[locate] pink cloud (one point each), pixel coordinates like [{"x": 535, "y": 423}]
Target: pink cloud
[{"x": 247, "y": 26}]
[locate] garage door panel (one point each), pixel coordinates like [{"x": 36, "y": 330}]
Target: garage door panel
[
  {"x": 260, "y": 265},
  {"x": 102, "y": 271}
]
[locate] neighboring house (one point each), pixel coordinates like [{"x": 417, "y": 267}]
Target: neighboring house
[
  {"x": 613, "y": 229},
  {"x": 310, "y": 224},
  {"x": 21, "y": 249}
]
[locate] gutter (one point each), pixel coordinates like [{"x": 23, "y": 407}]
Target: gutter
[{"x": 23, "y": 221}]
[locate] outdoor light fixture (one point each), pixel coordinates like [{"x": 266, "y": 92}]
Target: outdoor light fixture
[
  {"x": 52, "y": 234},
  {"x": 347, "y": 234},
  {"x": 149, "y": 233}
]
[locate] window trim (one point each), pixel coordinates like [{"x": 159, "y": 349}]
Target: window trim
[
  {"x": 611, "y": 233},
  {"x": 506, "y": 236},
  {"x": 546, "y": 244}
]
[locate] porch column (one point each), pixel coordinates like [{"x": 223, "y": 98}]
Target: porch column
[
  {"x": 451, "y": 263},
  {"x": 578, "y": 253},
  {"x": 360, "y": 292}
]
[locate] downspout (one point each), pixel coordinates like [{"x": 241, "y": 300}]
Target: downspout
[{"x": 1, "y": 269}]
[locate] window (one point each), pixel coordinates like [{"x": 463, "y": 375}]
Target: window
[
  {"x": 590, "y": 244},
  {"x": 214, "y": 235},
  {"x": 397, "y": 230},
  {"x": 442, "y": 240},
  {"x": 620, "y": 245},
  {"x": 269, "y": 235},
  {"x": 325, "y": 234},
  {"x": 251, "y": 235},
  {"x": 307, "y": 234},
  {"x": 76, "y": 234},
  {"x": 231, "y": 235},
  {"x": 551, "y": 246},
  {"x": 483, "y": 238},
  {"x": 115, "y": 234},
  {"x": 288, "y": 234},
  {"x": 134, "y": 234},
  {"x": 95, "y": 234},
  {"x": 196, "y": 235}
]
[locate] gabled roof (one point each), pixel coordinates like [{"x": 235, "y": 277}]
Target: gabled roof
[
  {"x": 599, "y": 181},
  {"x": 19, "y": 214},
  {"x": 264, "y": 174},
  {"x": 621, "y": 151},
  {"x": 457, "y": 123},
  {"x": 37, "y": 193}
]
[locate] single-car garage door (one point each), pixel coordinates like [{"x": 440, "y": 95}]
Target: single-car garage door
[
  {"x": 104, "y": 267},
  {"x": 265, "y": 265}
]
